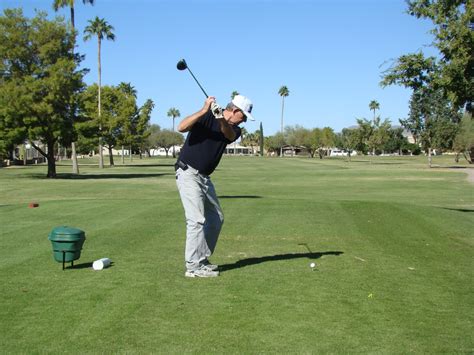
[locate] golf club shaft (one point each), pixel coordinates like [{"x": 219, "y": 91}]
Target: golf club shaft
[{"x": 197, "y": 82}]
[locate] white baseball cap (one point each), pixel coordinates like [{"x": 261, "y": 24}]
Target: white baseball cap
[{"x": 245, "y": 105}]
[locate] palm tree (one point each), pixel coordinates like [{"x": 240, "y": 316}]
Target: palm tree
[
  {"x": 283, "y": 92},
  {"x": 374, "y": 105},
  {"x": 100, "y": 28},
  {"x": 57, "y": 4},
  {"x": 234, "y": 94},
  {"x": 127, "y": 89},
  {"x": 243, "y": 136},
  {"x": 251, "y": 139},
  {"x": 173, "y": 113}
]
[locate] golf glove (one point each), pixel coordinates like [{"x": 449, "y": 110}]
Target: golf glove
[{"x": 217, "y": 111}]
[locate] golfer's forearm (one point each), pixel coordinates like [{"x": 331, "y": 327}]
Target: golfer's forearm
[
  {"x": 186, "y": 124},
  {"x": 227, "y": 130}
]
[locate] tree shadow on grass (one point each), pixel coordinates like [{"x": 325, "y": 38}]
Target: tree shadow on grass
[
  {"x": 68, "y": 176},
  {"x": 375, "y": 162},
  {"x": 258, "y": 260},
  {"x": 389, "y": 163},
  {"x": 119, "y": 165},
  {"x": 450, "y": 167},
  {"x": 145, "y": 165},
  {"x": 239, "y": 196},
  {"x": 458, "y": 209},
  {"x": 109, "y": 176}
]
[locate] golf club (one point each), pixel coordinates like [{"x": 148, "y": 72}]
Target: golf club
[{"x": 182, "y": 65}]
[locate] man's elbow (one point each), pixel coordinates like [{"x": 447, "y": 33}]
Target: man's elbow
[
  {"x": 231, "y": 136},
  {"x": 182, "y": 128}
]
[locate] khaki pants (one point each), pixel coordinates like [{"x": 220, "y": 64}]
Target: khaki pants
[{"x": 204, "y": 217}]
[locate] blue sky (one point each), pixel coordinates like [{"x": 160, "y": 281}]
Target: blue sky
[{"x": 329, "y": 53}]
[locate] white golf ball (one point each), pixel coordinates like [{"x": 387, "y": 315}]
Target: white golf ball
[{"x": 312, "y": 265}]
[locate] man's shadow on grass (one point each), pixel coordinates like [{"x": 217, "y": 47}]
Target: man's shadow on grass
[{"x": 279, "y": 257}]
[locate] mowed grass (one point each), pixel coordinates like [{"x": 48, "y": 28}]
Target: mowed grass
[{"x": 393, "y": 242}]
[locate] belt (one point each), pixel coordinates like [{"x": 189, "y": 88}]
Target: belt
[
  {"x": 180, "y": 164},
  {"x": 183, "y": 166}
]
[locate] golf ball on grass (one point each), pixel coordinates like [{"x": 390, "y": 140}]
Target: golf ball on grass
[{"x": 312, "y": 265}]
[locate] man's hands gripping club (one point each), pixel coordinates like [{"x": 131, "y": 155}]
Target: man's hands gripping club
[
  {"x": 210, "y": 104},
  {"x": 216, "y": 110}
]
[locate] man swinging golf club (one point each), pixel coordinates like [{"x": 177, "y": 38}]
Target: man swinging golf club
[{"x": 209, "y": 131}]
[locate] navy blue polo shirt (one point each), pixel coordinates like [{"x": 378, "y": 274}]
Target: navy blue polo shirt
[{"x": 205, "y": 144}]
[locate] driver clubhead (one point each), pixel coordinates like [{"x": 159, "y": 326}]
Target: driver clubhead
[{"x": 182, "y": 65}]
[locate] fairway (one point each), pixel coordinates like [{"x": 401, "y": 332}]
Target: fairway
[{"x": 392, "y": 240}]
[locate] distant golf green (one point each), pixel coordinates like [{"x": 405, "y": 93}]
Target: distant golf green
[{"x": 393, "y": 243}]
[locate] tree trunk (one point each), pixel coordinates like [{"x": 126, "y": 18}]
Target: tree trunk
[
  {"x": 111, "y": 156},
  {"x": 101, "y": 155},
  {"x": 131, "y": 155},
  {"x": 123, "y": 156},
  {"x": 51, "y": 161},
  {"x": 430, "y": 160},
  {"x": 25, "y": 155},
  {"x": 50, "y": 157},
  {"x": 75, "y": 165},
  {"x": 281, "y": 128},
  {"x": 456, "y": 157},
  {"x": 72, "y": 21}
]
